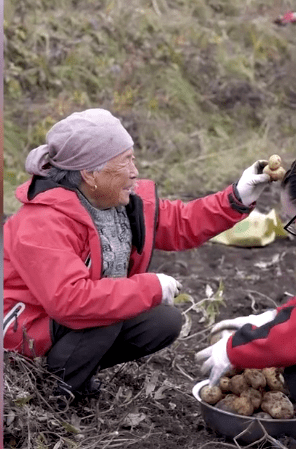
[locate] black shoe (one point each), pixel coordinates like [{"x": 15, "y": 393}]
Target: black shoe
[
  {"x": 92, "y": 387},
  {"x": 64, "y": 396},
  {"x": 64, "y": 389},
  {"x": 67, "y": 397}
]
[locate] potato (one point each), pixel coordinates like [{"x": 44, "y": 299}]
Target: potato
[
  {"x": 274, "y": 169},
  {"x": 233, "y": 371},
  {"x": 211, "y": 395},
  {"x": 215, "y": 338},
  {"x": 243, "y": 406},
  {"x": 274, "y": 162},
  {"x": 254, "y": 396},
  {"x": 274, "y": 378},
  {"x": 224, "y": 384},
  {"x": 278, "y": 405},
  {"x": 254, "y": 392},
  {"x": 262, "y": 415},
  {"x": 255, "y": 378},
  {"x": 226, "y": 404},
  {"x": 238, "y": 384},
  {"x": 275, "y": 175},
  {"x": 220, "y": 334}
]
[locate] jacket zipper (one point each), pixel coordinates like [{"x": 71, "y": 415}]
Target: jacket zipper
[
  {"x": 88, "y": 262},
  {"x": 155, "y": 225},
  {"x": 11, "y": 316}
]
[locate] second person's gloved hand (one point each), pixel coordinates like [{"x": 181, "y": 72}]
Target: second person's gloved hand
[
  {"x": 252, "y": 182},
  {"x": 237, "y": 323},
  {"x": 215, "y": 360},
  {"x": 170, "y": 288}
]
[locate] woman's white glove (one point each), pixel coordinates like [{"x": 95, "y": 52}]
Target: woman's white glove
[
  {"x": 216, "y": 361},
  {"x": 170, "y": 288},
  {"x": 237, "y": 323},
  {"x": 252, "y": 183}
]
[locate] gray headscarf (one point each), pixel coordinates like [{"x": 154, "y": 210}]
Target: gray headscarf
[{"x": 81, "y": 141}]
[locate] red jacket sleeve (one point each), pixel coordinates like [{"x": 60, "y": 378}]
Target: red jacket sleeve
[
  {"x": 51, "y": 267},
  {"x": 273, "y": 344},
  {"x": 183, "y": 226}
]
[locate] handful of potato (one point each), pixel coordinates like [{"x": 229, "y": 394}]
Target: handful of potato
[
  {"x": 258, "y": 392},
  {"x": 274, "y": 168}
]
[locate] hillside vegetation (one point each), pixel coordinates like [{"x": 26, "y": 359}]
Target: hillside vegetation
[{"x": 205, "y": 87}]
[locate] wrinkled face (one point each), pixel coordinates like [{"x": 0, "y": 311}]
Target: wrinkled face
[{"x": 115, "y": 182}]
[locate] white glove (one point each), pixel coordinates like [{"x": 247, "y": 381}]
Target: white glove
[
  {"x": 170, "y": 288},
  {"x": 237, "y": 323},
  {"x": 216, "y": 360},
  {"x": 252, "y": 183}
]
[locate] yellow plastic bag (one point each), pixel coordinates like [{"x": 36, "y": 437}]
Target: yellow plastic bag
[{"x": 257, "y": 229}]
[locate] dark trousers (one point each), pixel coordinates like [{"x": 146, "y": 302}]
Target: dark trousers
[{"x": 77, "y": 354}]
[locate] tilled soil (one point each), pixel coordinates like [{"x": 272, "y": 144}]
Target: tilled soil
[
  {"x": 149, "y": 404},
  {"x": 254, "y": 279},
  {"x": 165, "y": 411}
]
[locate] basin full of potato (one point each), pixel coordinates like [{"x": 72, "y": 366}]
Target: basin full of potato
[
  {"x": 260, "y": 393},
  {"x": 246, "y": 406}
]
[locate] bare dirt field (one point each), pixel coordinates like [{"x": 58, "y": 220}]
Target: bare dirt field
[
  {"x": 149, "y": 404},
  {"x": 165, "y": 413}
]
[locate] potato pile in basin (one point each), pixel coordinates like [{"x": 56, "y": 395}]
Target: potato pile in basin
[{"x": 260, "y": 393}]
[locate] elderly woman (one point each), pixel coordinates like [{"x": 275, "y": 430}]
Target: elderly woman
[
  {"x": 77, "y": 252},
  {"x": 264, "y": 340}
]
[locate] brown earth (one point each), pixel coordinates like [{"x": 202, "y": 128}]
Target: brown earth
[
  {"x": 171, "y": 415},
  {"x": 149, "y": 404},
  {"x": 254, "y": 279}
]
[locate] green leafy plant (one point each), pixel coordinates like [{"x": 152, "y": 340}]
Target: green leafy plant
[{"x": 208, "y": 307}]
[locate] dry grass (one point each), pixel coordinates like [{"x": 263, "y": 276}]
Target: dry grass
[
  {"x": 131, "y": 394},
  {"x": 32, "y": 419}
]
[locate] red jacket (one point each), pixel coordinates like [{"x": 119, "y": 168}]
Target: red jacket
[
  {"x": 50, "y": 240},
  {"x": 272, "y": 344}
]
